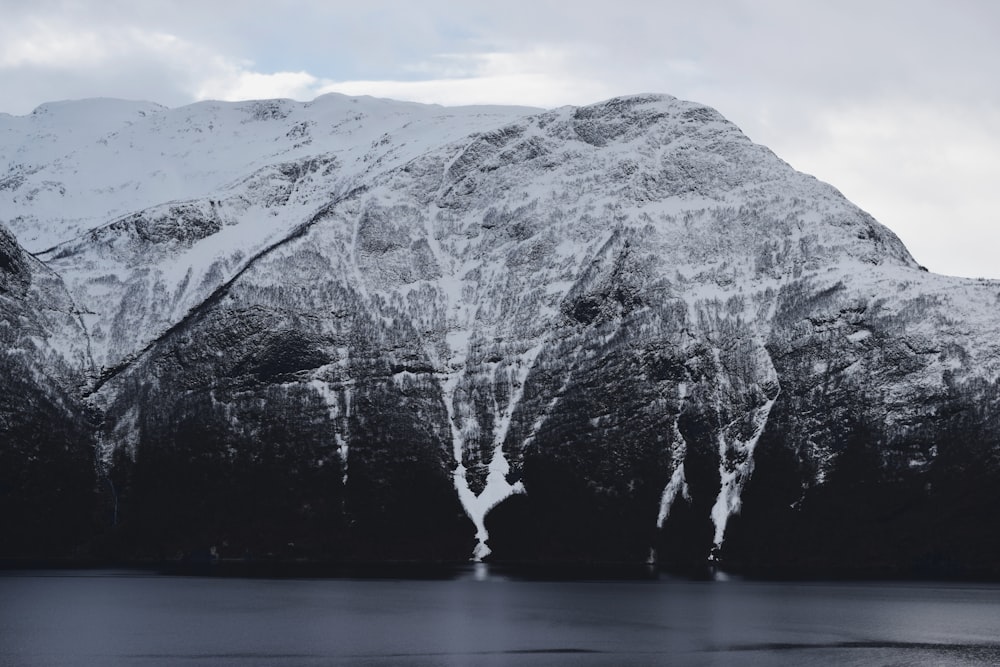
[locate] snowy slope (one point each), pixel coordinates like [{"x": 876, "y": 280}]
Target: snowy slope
[
  {"x": 246, "y": 174},
  {"x": 74, "y": 166},
  {"x": 582, "y": 329}
]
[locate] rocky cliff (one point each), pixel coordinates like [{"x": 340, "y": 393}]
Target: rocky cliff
[{"x": 360, "y": 329}]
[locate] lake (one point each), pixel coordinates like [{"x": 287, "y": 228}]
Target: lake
[{"x": 478, "y": 617}]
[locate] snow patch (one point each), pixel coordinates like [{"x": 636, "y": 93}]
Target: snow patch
[
  {"x": 677, "y": 484},
  {"x": 497, "y": 487},
  {"x": 678, "y": 480},
  {"x": 497, "y": 490},
  {"x": 734, "y": 475},
  {"x": 337, "y": 415},
  {"x": 859, "y": 335}
]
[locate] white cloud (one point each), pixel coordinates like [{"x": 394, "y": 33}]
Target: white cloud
[
  {"x": 540, "y": 77},
  {"x": 44, "y": 45},
  {"x": 893, "y": 102},
  {"x": 236, "y": 83},
  {"x": 50, "y": 60}
]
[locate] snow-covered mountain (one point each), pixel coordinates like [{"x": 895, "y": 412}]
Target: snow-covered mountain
[{"x": 358, "y": 328}]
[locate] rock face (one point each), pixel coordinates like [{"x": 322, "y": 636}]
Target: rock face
[
  {"x": 47, "y": 437},
  {"x": 388, "y": 331}
]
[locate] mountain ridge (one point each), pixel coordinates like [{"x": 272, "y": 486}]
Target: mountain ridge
[{"x": 596, "y": 332}]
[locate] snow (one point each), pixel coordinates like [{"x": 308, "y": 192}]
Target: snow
[
  {"x": 676, "y": 485},
  {"x": 678, "y": 482},
  {"x": 496, "y": 491},
  {"x": 859, "y": 335},
  {"x": 113, "y": 157},
  {"x": 100, "y": 160},
  {"x": 497, "y": 487},
  {"x": 715, "y": 224},
  {"x": 734, "y": 477},
  {"x": 338, "y": 415}
]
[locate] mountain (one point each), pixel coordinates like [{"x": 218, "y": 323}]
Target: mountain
[
  {"x": 46, "y": 434},
  {"x": 362, "y": 329}
]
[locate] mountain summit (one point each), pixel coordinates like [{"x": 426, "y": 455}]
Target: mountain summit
[{"x": 363, "y": 329}]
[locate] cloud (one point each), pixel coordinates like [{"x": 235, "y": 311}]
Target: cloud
[
  {"x": 45, "y": 45},
  {"x": 236, "y": 83},
  {"x": 541, "y": 77},
  {"x": 893, "y": 102},
  {"x": 54, "y": 59}
]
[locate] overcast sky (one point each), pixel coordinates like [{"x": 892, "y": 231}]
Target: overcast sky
[{"x": 894, "y": 102}]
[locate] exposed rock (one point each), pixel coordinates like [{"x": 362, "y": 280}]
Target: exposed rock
[{"x": 583, "y": 334}]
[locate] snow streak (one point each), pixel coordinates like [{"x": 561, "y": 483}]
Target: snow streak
[
  {"x": 678, "y": 481},
  {"x": 734, "y": 475},
  {"x": 338, "y": 415},
  {"x": 497, "y": 487}
]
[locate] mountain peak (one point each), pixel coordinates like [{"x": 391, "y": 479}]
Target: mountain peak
[
  {"x": 96, "y": 107},
  {"x": 583, "y": 333}
]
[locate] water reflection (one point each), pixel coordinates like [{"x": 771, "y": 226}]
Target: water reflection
[{"x": 484, "y": 616}]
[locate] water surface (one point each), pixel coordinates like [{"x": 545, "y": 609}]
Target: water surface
[{"x": 474, "y": 618}]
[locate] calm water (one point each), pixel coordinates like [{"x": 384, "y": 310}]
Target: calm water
[{"x": 125, "y": 618}]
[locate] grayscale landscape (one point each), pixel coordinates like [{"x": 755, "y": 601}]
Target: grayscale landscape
[
  {"x": 420, "y": 335},
  {"x": 364, "y": 330}
]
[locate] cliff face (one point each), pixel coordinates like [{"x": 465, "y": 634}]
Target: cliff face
[
  {"x": 597, "y": 333},
  {"x": 47, "y": 436}
]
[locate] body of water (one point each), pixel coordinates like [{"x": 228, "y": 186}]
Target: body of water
[{"x": 477, "y": 618}]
